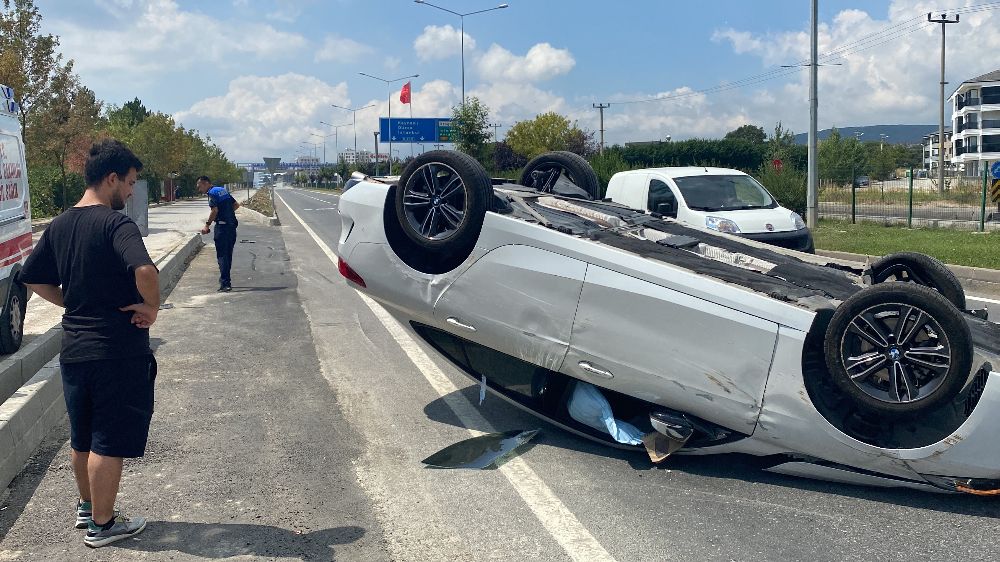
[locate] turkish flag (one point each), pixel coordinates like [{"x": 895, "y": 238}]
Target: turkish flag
[{"x": 404, "y": 94}]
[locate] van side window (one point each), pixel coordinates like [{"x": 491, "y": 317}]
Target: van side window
[{"x": 659, "y": 193}]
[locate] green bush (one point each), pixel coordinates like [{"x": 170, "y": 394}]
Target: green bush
[
  {"x": 608, "y": 165},
  {"x": 788, "y": 186}
]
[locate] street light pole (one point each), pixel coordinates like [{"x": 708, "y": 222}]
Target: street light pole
[
  {"x": 462, "y": 17},
  {"x": 944, "y": 21},
  {"x": 376, "y": 153},
  {"x": 354, "y": 111},
  {"x": 336, "y": 137}
]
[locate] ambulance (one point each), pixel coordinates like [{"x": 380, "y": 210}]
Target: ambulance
[{"x": 15, "y": 223}]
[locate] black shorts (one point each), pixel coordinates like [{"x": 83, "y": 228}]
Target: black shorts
[{"x": 110, "y": 404}]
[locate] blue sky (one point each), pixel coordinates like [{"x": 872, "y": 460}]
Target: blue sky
[{"x": 258, "y": 76}]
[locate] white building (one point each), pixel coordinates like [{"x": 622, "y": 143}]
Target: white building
[
  {"x": 975, "y": 120},
  {"x": 362, "y": 156},
  {"x": 931, "y": 149},
  {"x": 307, "y": 162}
]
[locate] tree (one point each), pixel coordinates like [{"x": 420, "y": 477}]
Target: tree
[
  {"x": 506, "y": 159},
  {"x": 581, "y": 141},
  {"x": 840, "y": 159},
  {"x": 65, "y": 128},
  {"x": 781, "y": 143},
  {"x": 29, "y": 62},
  {"x": 123, "y": 120},
  {"x": 749, "y": 133},
  {"x": 546, "y": 132},
  {"x": 470, "y": 125}
]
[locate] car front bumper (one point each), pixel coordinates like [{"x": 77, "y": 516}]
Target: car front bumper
[{"x": 800, "y": 240}]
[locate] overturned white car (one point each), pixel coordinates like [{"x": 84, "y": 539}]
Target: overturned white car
[{"x": 711, "y": 342}]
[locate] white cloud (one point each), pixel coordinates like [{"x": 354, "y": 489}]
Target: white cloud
[
  {"x": 266, "y": 115},
  {"x": 162, "y": 38},
  {"x": 341, "y": 50},
  {"x": 392, "y": 63},
  {"x": 885, "y": 79},
  {"x": 541, "y": 62},
  {"x": 441, "y": 42}
]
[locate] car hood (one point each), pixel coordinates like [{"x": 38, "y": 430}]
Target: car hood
[{"x": 752, "y": 221}]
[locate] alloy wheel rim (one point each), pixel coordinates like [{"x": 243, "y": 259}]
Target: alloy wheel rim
[
  {"x": 434, "y": 201},
  {"x": 896, "y": 353}
]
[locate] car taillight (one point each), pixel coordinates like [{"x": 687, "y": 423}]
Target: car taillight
[{"x": 349, "y": 273}]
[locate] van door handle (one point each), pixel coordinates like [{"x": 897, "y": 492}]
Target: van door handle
[
  {"x": 456, "y": 322},
  {"x": 593, "y": 369}
]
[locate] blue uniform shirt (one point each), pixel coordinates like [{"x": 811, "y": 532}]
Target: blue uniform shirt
[{"x": 219, "y": 197}]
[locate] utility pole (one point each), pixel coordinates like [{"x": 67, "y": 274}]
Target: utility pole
[
  {"x": 944, "y": 21},
  {"x": 601, "y": 107},
  {"x": 812, "y": 187}
]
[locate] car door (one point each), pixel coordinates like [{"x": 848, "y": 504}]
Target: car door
[
  {"x": 518, "y": 300},
  {"x": 670, "y": 348}
]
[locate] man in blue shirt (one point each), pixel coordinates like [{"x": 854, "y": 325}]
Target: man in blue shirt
[{"x": 223, "y": 214}]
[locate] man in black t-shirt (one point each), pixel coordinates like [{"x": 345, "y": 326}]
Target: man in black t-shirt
[
  {"x": 91, "y": 260},
  {"x": 223, "y": 214}
]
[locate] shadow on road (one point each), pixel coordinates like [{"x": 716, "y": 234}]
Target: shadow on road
[
  {"x": 220, "y": 540},
  {"x": 747, "y": 468}
]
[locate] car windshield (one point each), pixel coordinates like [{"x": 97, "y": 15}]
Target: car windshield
[{"x": 724, "y": 193}]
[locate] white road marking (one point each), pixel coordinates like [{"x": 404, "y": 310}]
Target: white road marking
[
  {"x": 322, "y": 209},
  {"x": 300, "y": 192},
  {"x": 982, "y": 299},
  {"x": 557, "y": 519}
]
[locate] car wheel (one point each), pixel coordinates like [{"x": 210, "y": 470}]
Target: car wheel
[
  {"x": 441, "y": 200},
  {"x": 12, "y": 319},
  {"x": 898, "y": 349},
  {"x": 544, "y": 171},
  {"x": 911, "y": 267}
]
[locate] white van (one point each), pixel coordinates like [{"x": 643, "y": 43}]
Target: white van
[
  {"x": 15, "y": 223},
  {"x": 716, "y": 198}
]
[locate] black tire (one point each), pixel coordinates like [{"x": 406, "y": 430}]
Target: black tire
[
  {"x": 911, "y": 267},
  {"x": 543, "y": 170},
  {"x": 441, "y": 200},
  {"x": 12, "y": 319},
  {"x": 898, "y": 349}
]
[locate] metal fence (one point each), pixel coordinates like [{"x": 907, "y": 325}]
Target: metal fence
[{"x": 965, "y": 203}]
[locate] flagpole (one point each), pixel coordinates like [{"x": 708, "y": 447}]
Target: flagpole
[{"x": 411, "y": 118}]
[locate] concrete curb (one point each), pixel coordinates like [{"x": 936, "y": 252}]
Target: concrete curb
[
  {"x": 964, "y": 273},
  {"x": 37, "y": 404},
  {"x": 248, "y": 214}
]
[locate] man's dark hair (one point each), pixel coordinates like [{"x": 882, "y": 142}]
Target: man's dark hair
[
  {"x": 204, "y": 178},
  {"x": 107, "y": 157}
]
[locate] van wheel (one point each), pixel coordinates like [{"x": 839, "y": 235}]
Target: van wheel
[
  {"x": 546, "y": 170},
  {"x": 898, "y": 349},
  {"x": 912, "y": 267},
  {"x": 12, "y": 319}
]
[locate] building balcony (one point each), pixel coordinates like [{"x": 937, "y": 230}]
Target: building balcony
[
  {"x": 966, "y": 127},
  {"x": 970, "y": 102},
  {"x": 960, "y": 150}
]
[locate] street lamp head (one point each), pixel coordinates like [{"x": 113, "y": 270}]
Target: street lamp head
[{"x": 502, "y": 6}]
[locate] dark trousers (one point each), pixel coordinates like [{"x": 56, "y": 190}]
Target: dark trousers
[{"x": 225, "y": 242}]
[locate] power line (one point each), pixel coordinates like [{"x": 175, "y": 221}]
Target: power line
[{"x": 894, "y": 31}]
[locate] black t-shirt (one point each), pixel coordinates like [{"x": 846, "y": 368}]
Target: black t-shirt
[{"x": 93, "y": 253}]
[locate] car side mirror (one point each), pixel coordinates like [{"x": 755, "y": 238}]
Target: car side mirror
[{"x": 667, "y": 209}]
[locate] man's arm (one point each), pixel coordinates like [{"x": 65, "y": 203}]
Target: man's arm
[
  {"x": 51, "y": 293},
  {"x": 147, "y": 281},
  {"x": 211, "y": 219}
]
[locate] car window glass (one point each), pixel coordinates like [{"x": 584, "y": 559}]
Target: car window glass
[
  {"x": 659, "y": 192},
  {"x": 724, "y": 193}
]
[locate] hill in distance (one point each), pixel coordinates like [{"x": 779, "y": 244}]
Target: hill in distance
[{"x": 898, "y": 134}]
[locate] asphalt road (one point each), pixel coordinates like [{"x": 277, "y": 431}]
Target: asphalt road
[{"x": 569, "y": 497}]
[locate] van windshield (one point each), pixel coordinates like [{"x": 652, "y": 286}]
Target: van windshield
[{"x": 724, "y": 193}]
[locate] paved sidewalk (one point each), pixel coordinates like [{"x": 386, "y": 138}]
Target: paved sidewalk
[
  {"x": 248, "y": 458},
  {"x": 170, "y": 225}
]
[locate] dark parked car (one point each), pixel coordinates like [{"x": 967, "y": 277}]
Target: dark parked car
[{"x": 862, "y": 181}]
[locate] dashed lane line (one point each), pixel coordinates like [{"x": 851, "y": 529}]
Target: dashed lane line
[{"x": 557, "y": 519}]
